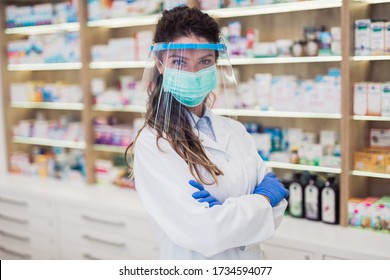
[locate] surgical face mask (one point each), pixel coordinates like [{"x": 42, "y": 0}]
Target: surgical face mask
[{"x": 190, "y": 89}]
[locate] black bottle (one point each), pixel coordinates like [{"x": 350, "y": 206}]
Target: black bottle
[
  {"x": 330, "y": 201},
  {"x": 312, "y": 196},
  {"x": 295, "y": 198}
]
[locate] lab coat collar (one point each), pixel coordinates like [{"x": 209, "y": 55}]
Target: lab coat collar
[{"x": 221, "y": 132}]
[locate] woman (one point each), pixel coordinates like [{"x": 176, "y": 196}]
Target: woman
[{"x": 199, "y": 175}]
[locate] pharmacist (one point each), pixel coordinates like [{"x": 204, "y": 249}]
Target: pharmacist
[{"x": 199, "y": 175}]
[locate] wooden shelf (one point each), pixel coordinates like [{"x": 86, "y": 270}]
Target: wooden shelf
[
  {"x": 45, "y": 29},
  {"x": 45, "y": 66},
  {"x": 48, "y": 142},
  {"x": 48, "y": 105},
  {"x": 370, "y": 174},
  {"x": 291, "y": 166}
]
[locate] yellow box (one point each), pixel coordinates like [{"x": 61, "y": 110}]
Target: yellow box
[{"x": 372, "y": 162}]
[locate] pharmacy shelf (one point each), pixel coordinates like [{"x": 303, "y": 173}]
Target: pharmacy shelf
[
  {"x": 48, "y": 105},
  {"x": 44, "y": 29},
  {"x": 283, "y": 60},
  {"x": 292, "y": 166},
  {"x": 125, "y": 22},
  {"x": 274, "y": 8},
  {"x": 274, "y": 114},
  {"x": 370, "y": 57},
  {"x": 109, "y": 148},
  {"x": 129, "y": 108},
  {"x": 45, "y": 66},
  {"x": 371, "y": 118},
  {"x": 223, "y": 13},
  {"x": 117, "y": 64},
  {"x": 377, "y": 1},
  {"x": 48, "y": 142},
  {"x": 370, "y": 174},
  {"x": 232, "y": 61}
]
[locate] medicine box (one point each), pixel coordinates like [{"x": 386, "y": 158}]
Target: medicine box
[
  {"x": 379, "y": 138},
  {"x": 360, "y": 99},
  {"x": 386, "y": 99},
  {"x": 362, "y": 37},
  {"x": 377, "y": 38},
  {"x": 374, "y": 94}
]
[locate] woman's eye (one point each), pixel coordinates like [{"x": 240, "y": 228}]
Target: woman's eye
[
  {"x": 205, "y": 61},
  {"x": 178, "y": 62}
]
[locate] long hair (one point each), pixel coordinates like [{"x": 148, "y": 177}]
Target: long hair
[{"x": 175, "y": 23}]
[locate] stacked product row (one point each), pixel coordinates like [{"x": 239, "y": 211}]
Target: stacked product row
[
  {"x": 49, "y": 163},
  {"x": 35, "y": 91},
  {"x": 314, "y": 197},
  {"x": 372, "y": 99},
  {"x": 316, "y": 41},
  {"x": 41, "y": 14},
  {"x": 106, "y": 9},
  {"x": 293, "y": 145},
  {"x": 376, "y": 158},
  {"x": 51, "y": 48},
  {"x": 372, "y": 37},
  {"x": 371, "y": 213}
]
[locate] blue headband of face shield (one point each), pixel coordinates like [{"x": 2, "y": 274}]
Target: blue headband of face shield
[{"x": 179, "y": 46}]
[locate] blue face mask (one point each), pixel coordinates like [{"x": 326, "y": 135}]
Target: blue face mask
[{"x": 190, "y": 89}]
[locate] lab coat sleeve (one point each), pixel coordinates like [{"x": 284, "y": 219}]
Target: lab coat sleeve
[{"x": 161, "y": 179}]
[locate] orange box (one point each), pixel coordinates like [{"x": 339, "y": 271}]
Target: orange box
[{"x": 372, "y": 162}]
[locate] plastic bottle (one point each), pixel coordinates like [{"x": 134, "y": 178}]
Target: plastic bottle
[
  {"x": 295, "y": 199},
  {"x": 330, "y": 201},
  {"x": 312, "y": 197}
]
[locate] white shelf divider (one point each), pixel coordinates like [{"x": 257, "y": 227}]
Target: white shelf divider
[
  {"x": 371, "y": 118},
  {"x": 370, "y": 57},
  {"x": 45, "y": 66},
  {"x": 116, "y": 64},
  {"x": 125, "y": 22},
  {"x": 48, "y": 105},
  {"x": 129, "y": 108},
  {"x": 370, "y": 174},
  {"x": 292, "y": 166},
  {"x": 109, "y": 148},
  {"x": 48, "y": 142},
  {"x": 44, "y": 29},
  {"x": 377, "y": 1},
  {"x": 283, "y": 60},
  {"x": 275, "y": 114}
]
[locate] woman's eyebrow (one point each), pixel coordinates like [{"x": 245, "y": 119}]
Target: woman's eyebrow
[
  {"x": 177, "y": 56},
  {"x": 207, "y": 55}
]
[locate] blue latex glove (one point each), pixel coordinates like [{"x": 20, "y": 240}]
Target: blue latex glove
[
  {"x": 272, "y": 188},
  {"x": 202, "y": 195}
]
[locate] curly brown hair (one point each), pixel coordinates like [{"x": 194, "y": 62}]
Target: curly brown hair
[{"x": 179, "y": 22}]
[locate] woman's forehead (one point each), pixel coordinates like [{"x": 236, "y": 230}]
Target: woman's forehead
[{"x": 190, "y": 53}]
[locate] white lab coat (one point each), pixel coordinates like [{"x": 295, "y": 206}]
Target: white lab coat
[{"x": 187, "y": 229}]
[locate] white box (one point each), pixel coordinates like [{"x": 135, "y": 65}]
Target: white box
[
  {"x": 386, "y": 99},
  {"x": 377, "y": 38},
  {"x": 374, "y": 94},
  {"x": 362, "y": 36},
  {"x": 360, "y": 99},
  {"x": 387, "y": 37},
  {"x": 263, "y": 90}
]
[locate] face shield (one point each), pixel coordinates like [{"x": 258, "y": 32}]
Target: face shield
[{"x": 182, "y": 79}]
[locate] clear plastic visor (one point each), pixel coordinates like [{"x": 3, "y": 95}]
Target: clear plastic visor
[{"x": 185, "y": 82}]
